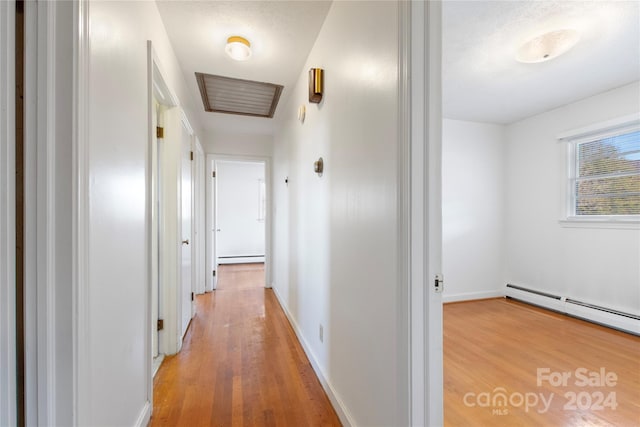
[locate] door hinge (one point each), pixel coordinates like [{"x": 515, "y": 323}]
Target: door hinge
[
  {"x": 213, "y": 174},
  {"x": 214, "y": 273},
  {"x": 192, "y": 296},
  {"x": 439, "y": 283},
  {"x": 160, "y": 324},
  {"x": 159, "y": 132},
  {"x": 192, "y": 156}
]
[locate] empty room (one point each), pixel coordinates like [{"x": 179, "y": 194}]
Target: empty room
[{"x": 541, "y": 197}]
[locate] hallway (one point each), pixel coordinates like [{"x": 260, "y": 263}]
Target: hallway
[{"x": 240, "y": 364}]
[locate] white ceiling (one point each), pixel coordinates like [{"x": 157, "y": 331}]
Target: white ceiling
[
  {"x": 281, "y": 33},
  {"x": 482, "y": 80}
]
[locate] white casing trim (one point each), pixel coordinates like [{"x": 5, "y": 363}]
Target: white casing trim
[
  {"x": 433, "y": 212},
  {"x": 42, "y": 198},
  {"x": 80, "y": 219},
  {"x": 604, "y": 126},
  {"x": 343, "y": 413},
  {"x": 403, "y": 329},
  {"x": 425, "y": 228},
  {"x": 36, "y": 65},
  {"x": 7, "y": 215}
]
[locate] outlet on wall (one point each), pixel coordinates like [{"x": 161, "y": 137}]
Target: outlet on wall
[{"x": 321, "y": 333}]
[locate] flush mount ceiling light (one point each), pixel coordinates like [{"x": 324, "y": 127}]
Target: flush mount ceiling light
[
  {"x": 238, "y": 48},
  {"x": 547, "y": 46}
]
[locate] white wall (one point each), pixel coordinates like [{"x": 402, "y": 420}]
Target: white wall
[
  {"x": 239, "y": 143},
  {"x": 595, "y": 265},
  {"x": 472, "y": 209},
  {"x": 118, "y": 138},
  {"x": 335, "y": 236}
]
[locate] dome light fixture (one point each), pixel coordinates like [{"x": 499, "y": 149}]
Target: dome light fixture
[
  {"x": 238, "y": 48},
  {"x": 547, "y": 46}
]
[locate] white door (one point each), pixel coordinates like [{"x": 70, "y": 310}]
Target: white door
[
  {"x": 241, "y": 210},
  {"x": 186, "y": 196},
  {"x": 213, "y": 226}
]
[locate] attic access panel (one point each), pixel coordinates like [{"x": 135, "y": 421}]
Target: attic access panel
[{"x": 237, "y": 96}]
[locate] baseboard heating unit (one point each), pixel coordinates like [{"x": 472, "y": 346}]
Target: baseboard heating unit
[
  {"x": 615, "y": 319},
  {"x": 240, "y": 259}
]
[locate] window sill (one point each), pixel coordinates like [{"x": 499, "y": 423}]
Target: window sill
[{"x": 618, "y": 223}]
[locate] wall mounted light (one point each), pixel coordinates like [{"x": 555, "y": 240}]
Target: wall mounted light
[
  {"x": 238, "y": 48},
  {"x": 547, "y": 46},
  {"x": 315, "y": 84}
]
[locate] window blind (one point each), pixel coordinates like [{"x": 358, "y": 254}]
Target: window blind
[{"x": 607, "y": 175}]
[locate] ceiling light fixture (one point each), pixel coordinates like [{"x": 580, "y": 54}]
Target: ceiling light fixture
[
  {"x": 238, "y": 48},
  {"x": 547, "y": 46}
]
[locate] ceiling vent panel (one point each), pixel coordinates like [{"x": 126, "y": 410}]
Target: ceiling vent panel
[{"x": 236, "y": 96}]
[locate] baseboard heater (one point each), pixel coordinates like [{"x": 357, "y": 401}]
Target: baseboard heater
[
  {"x": 615, "y": 319},
  {"x": 240, "y": 259}
]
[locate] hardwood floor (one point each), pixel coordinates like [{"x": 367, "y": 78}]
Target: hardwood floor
[
  {"x": 241, "y": 363},
  {"x": 502, "y": 343}
]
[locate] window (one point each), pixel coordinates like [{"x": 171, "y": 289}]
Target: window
[{"x": 604, "y": 178}]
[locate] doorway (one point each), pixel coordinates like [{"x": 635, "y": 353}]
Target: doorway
[
  {"x": 238, "y": 220},
  {"x": 240, "y": 212}
]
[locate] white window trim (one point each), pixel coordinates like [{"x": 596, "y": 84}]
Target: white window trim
[{"x": 571, "y": 138}]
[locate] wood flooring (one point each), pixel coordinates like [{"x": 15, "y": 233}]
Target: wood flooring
[
  {"x": 240, "y": 364},
  {"x": 494, "y": 348}
]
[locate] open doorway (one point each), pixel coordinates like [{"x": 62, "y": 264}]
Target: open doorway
[
  {"x": 238, "y": 217},
  {"x": 510, "y": 226}
]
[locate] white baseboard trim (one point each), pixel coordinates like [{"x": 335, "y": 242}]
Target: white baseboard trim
[
  {"x": 338, "y": 405},
  {"x": 470, "y": 296},
  {"x": 156, "y": 363},
  {"x": 145, "y": 415}
]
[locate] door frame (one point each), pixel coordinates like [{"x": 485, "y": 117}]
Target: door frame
[
  {"x": 211, "y": 159},
  {"x": 169, "y": 218},
  {"x": 53, "y": 199},
  {"x": 420, "y": 210},
  {"x": 8, "y": 396},
  {"x": 157, "y": 238}
]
